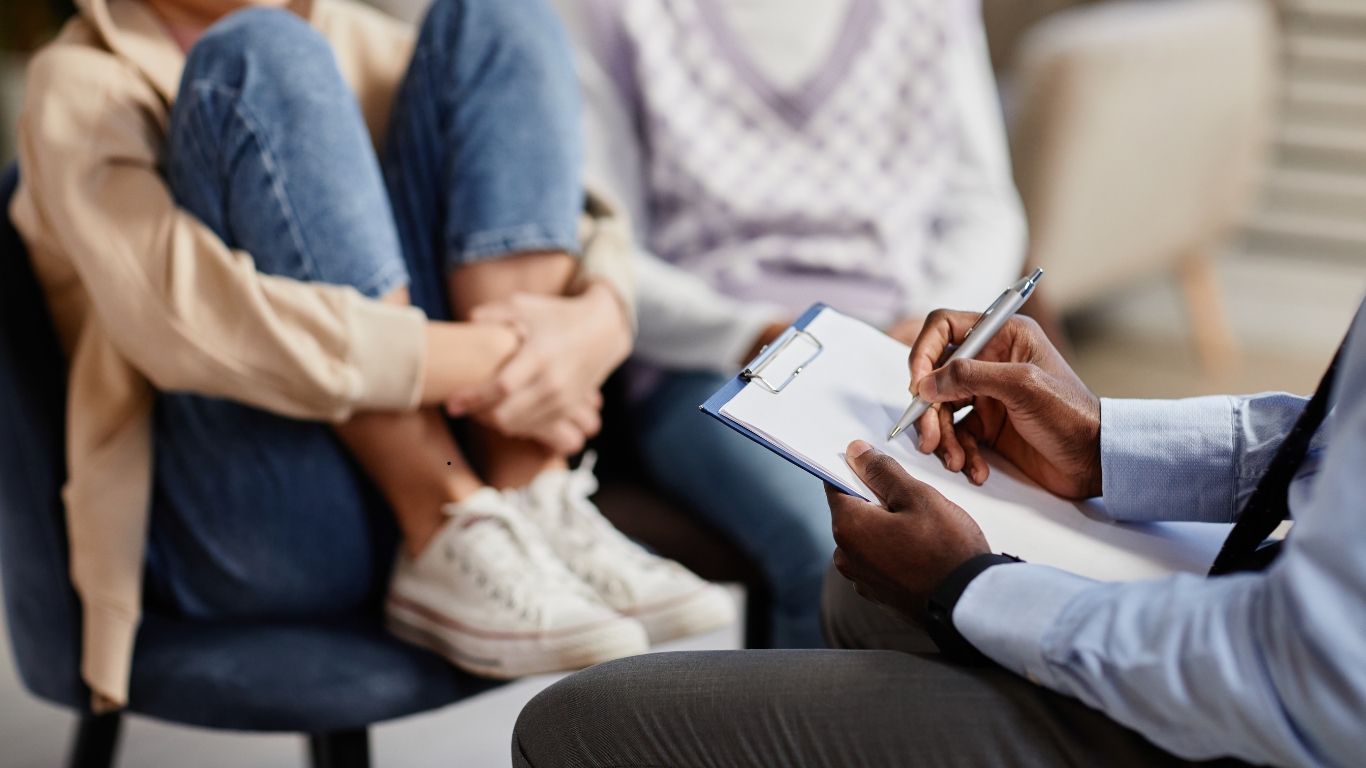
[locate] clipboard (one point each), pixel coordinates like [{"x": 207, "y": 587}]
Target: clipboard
[
  {"x": 759, "y": 372},
  {"x": 1013, "y": 512}
]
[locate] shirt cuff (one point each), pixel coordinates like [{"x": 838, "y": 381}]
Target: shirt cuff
[
  {"x": 605, "y": 239},
  {"x": 1165, "y": 460},
  {"x": 1007, "y": 611},
  {"x": 388, "y": 353}
]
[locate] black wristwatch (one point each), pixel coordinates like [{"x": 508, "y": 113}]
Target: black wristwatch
[{"x": 939, "y": 614}]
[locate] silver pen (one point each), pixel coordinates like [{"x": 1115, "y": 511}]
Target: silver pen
[{"x": 977, "y": 337}]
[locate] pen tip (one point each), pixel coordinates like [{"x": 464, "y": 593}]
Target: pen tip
[{"x": 895, "y": 431}]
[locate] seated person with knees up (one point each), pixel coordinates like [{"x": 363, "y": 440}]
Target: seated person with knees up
[
  {"x": 775, "y": 153},
  {"x": 1263, "y": 662},
  {"x": 230, "y": 265}
]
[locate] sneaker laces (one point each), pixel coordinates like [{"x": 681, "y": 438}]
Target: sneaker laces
[
  {"x": 585, "y": 530},
  {"x": 499, "y": 549}
]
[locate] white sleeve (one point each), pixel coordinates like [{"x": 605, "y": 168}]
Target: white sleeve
[
  {"x": 684, "y": 322},
  {"x": 981, "y": 236}
]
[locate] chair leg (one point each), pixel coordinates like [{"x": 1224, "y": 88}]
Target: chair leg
[
  {"x": 340, "y": 749},
  {"x": 1214, "y": 338},
  {"x": 758, "y": 616},
  {"x": 97, "y": 737}
]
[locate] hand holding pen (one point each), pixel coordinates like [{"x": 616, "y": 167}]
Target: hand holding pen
[
  {"x": 981, "y": 332},
  {"x": 1027, "y": 404}
]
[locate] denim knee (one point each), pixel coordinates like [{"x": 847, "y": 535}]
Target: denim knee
[
  {"x": 499, "y": 73},
  {"x": 267, "y": 45},
  {"x": 268, "y": 148},
  {"x": 528, "y": 31}
]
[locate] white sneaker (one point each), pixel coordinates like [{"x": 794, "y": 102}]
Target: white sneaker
[
  {"x": 492, "y": 597},
  {"x": 666, "y": 597}
]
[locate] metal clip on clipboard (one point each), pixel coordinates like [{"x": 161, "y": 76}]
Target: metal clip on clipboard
[{"x": 754, "y": 372}]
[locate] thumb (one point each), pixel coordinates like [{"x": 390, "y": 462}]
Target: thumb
[
  {"x": 892, "y": 484},
  {"x": 1010, "y": 383}
]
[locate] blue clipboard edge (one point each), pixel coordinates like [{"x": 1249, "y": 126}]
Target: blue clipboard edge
[{"x": 724, "y": 395}]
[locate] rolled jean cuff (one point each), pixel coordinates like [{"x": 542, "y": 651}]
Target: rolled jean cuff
[
  {"x": 495, "y": 243},
  {"x": 384, "y": 281}
]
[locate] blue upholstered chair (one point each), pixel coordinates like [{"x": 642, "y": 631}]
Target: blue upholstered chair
[{"x": 327, "y": 680}]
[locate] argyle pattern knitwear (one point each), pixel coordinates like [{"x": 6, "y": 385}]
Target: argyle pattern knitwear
[{"x": 756, "y": 188}]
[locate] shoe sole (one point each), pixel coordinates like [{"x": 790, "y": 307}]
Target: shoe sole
[
  {"x": 509, "y": 655},
  {"x": 701, "y": 610}
]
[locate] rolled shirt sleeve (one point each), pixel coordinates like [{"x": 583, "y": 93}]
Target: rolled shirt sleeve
[{"x": 1196, "y": 459}]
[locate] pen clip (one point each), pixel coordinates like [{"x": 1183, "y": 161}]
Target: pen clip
[{"x": 985, "y": 314}]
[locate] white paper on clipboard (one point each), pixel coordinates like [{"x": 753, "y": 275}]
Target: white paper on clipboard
[{"x": 857, "y": 388}]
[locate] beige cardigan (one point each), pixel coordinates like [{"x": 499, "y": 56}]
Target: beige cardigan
[{"x": 145, "y": 297}]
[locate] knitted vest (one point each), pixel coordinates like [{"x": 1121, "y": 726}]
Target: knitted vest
[{"x": 826, "y": 193}]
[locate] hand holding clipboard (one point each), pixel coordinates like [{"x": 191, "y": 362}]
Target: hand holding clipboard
[{"x": 831, "y": 379}]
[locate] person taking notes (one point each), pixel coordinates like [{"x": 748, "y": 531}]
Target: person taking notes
[
  {"x": 977, "y": 337},
  {"x": 1039, "y": 666}
]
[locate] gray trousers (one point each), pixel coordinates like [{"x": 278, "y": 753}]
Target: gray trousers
[{"x": 887, "y": 700}]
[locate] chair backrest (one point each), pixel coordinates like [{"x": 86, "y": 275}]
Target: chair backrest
[
  {"x": 40, "y": 605},
  {"x": 1139, "y": 129}
]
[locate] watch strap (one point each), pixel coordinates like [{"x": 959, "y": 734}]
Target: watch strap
[{"x": 939, "y": 613}]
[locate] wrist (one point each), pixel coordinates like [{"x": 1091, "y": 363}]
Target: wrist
[
  {"x": 460, "y": 355},
  {"x": 1096, "y": 485},
  {"x": 939, "y": 612},
  {"x": 603, "y": 297},
  {"x": 615, "y": 329}
]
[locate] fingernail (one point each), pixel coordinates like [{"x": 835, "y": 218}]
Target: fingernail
[
  {"x": 858, "y": 448},
  {"x": 928, "y": 388}
]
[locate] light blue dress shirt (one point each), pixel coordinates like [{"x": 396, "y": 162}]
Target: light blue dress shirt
[{"x": 1267, "y": 667}]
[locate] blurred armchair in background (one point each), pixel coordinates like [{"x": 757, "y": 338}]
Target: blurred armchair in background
[{"x": 1138, "y": 130}]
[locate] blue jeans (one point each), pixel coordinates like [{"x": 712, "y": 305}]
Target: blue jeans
[
  {"x": 255, "y": 515},
  {"x": 773, "y": 510}
]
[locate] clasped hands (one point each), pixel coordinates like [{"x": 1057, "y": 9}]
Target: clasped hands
[
  {"x": 1027, "y": 405},
  {"x": 548, "y": 390}
]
